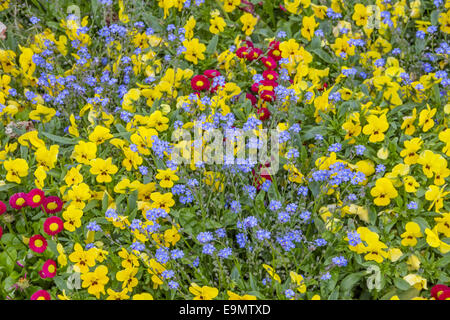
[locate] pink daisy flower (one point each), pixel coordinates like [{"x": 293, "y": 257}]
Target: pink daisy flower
[
  {"x": 48, "y": 269},
  {"x": 2, "y": 208},
  {"x": 52, "y": 204},
  {"x": 53, "y": 225},
  {"x": 35, "y": 198},
  {"x": 40, "y": 295},
  {"x": 18, "y": 200},
  {"x": 38, "y": 243}
]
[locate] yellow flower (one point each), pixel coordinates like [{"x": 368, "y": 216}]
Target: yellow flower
[
  {"x": 95, "y": 281},
  {"x": 167, "y": 178},
  {"x": 100, "y": 135},
  {"x": 143, "y": 296},
  {"x": 72, "y": 217},
  {"x": 299, "y": 281},
  {"x": 103, "y": 169},
  {"x": 164, "y": 201},
  {"x": 436, "y": 196},
  {"x": 426, "y": 118},
  {"x": 434, "y": 241},
  {"x": 360, "y": 15},
  {"x": 383, "y": 191},
  {"x": 271, "y": 272},
  {"x": 413, "y": 263},
  {"x": 166, "y": 5},
  {"x": 230, "y": 5},
  {"x": 42, "y": 113},
  {"x": 411, "y": 147},
  {"x": 443, "y": 224},
  {"x": 113, "y": 295},
  {"x": 412, "y": 232},
  {"x": 416, "y": 281},
  {"x": 127, "y": 277},
  {"x": 78, "y": 195},
  {"x": 309, "y": 25},
  {"x": 249, "y": 22},
  {"x": 410, "y": 184},
  {"x": 84, "y": 152},
  {"x": 217, "y": 25},
  {"x": 62, "y": 258},
  {"x": 376, "y": 127},
  {"x": 194, "y": 50},
  {"x": 129, "y": 259},
  {"x": 395, "y": 254},
  {"x": 16, "y": 169},
  {"x": 82, "y": 259},
  {"x": 234, "y": 296},
  {"x": 203, "y": 293}
]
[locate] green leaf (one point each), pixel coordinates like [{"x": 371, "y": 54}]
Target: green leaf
[
  {"x": 323, "y": 55},
  {"x": 59, "y": 139},
  {"x": 444, "y": 261},
  {"x": 349, "y": 281},
  {"x": 401, "y": 284},
  {"x": 211, "y": 48},
  {"x": 7, "y": 186}
]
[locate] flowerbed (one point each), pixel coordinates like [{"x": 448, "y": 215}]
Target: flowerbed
[{"x": 350, "y": 203}]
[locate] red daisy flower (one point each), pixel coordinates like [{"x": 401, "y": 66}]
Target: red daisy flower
[
  {"x": 242, "y": 52},
  {"x": 2, "y": 208},
  {"x": 275, "y": 52},
  {"x": 254, "y": 54},
  {"x": 52, "y": 204},
  {"x": 53, "y": 225},
  {"x": 211, "y": 73},
  {"x": 267, "y": 95},
  {"x": 200, "y": 82},
  {"x": 270, "y": 75},
  {"x": 40, "y": 295},
  {"x": 255, "y": 87},
  {"x": 48, "y": 269},
  {"x": 264, "y": 113},
  {"x": 37, "y": 243},
  {"x": 35, "y": 198},
  {"x": 444, "y": 295},
  {"x": 18, "y": 200},
  {"x": 252, "y": 98},
  {"x": 438, "y": 289},
  {"x": 269, "y": 63}
]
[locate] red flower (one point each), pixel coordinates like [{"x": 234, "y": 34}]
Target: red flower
[
  {"x": 48, "y": 269},
  {"x": 37, "y": 243},
  {"x": 269, "y": 63},
  {"x": 35, "y": 198},
  {"x": 52, "y": 204},
  {"x": 254, "y": 54},
  {"x": 438, "y": 290},
  {"x": 252, "y": 98},
  {"x": 200, "y": 82},
  {"x": 275, "y": 52},
  {"x": 211, "y": 73},
  {"x": 1, "y": 232},
  {"x": 269, "y": 83},
  {"x": 53, "y": 225},
  {"x": 18, "y": 200},
  {"x": 2, "y": 208},
  {"x": 444, "y": 295},
  {"x": 267, "y": 95},
  {"x": 242, "y": 52},
  {"x": 263, "y": 175},
  {"x": 255, "y": 87},
  {"x": 325, "y": 85},
  {"x": 264, "y": 113},
  {"x": 40, "y": 295},
  {"x": 270, "y": 75}
]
